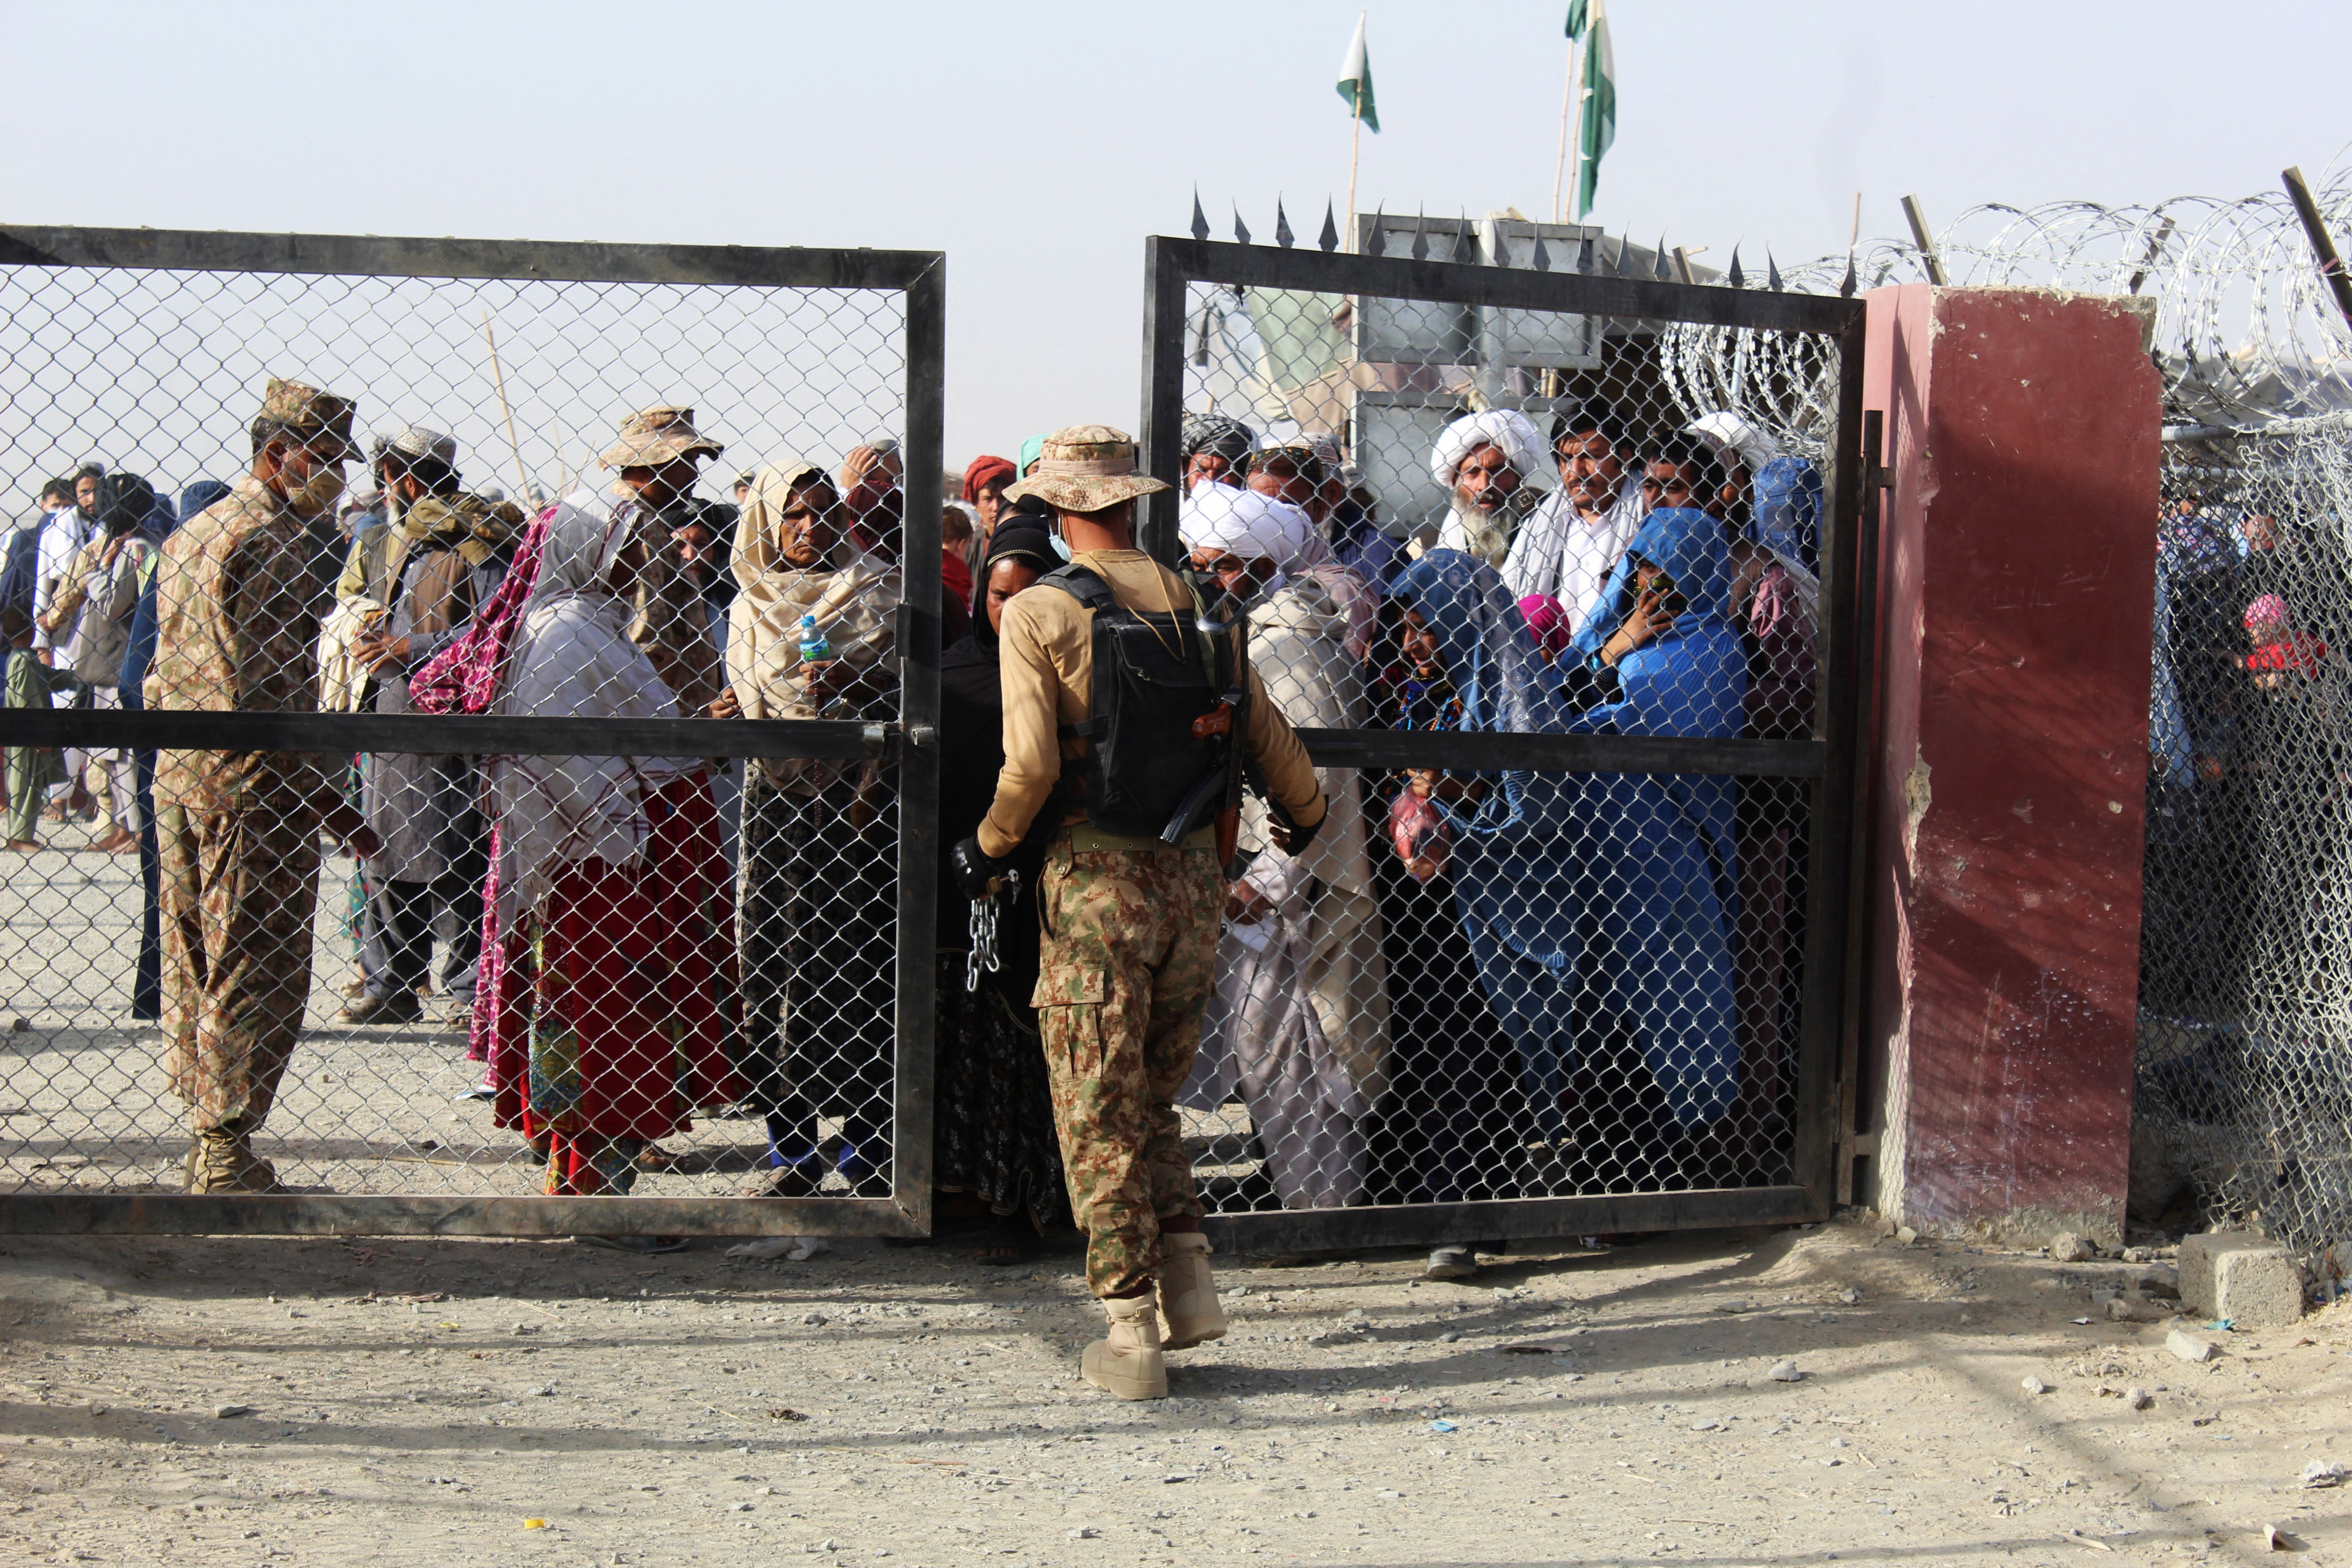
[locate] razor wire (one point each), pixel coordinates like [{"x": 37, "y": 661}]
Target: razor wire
[
  {"x": 2244, "y": 1078},
  {"x": 2246, "y": 331},
  {"x": 2244, "y": 1084}
]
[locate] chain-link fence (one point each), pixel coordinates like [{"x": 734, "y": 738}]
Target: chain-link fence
[
  {"x": 2244, "y": 1101},
  {"x": 1571, "y": 645},
  {"x": 2242, "y": 1113},
  {"x": 534, "y": 816}
]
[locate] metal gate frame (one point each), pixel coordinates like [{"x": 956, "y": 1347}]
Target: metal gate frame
[
  {"x": 1830, "y": 760},
  {"x": 911, "y": 741}
]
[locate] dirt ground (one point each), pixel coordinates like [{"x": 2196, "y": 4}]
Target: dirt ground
[{"x": 424, "y": 1402}]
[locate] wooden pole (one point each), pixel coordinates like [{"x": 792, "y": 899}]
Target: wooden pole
[
  {"x": 562, "y": 463},
  {"x": 2323, "y": 245},
  {"x": 498, "y": 379}
]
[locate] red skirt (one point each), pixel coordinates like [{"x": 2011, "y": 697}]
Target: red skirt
[{"x": 628, "y": 1021}]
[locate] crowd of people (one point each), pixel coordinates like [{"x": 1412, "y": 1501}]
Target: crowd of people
[
  {"x": 1460, "y": 983},
  {"x": 2246, "y": 797},
  {"x": 1516, "y": 983}
]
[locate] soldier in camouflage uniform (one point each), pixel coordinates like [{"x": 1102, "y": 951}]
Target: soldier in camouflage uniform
[
  {"x": 1129, "y": 924},
  {"x": 237, "y": 608}
]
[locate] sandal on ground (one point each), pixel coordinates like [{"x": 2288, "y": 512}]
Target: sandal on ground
[{"x": 1450, "y": 1263}]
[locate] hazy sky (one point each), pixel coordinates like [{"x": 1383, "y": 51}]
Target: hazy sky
[{"x": 1037, "y": 144}]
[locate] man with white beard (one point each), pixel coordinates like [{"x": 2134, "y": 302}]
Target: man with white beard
[
  {"x": 1299, "y": 1020},
  {"x": 1490, "y": 462}
]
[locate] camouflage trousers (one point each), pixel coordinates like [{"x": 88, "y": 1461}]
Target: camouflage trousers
[
  {"x": 1130, "y": 947},
  {"x": 238, "y": 889}
]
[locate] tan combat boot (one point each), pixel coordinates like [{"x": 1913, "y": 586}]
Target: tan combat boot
[
  {"x": 224, "y": 1161},
  {"x": 1187, "y": 1296},
  {"x": 1127, "y": 1363}
]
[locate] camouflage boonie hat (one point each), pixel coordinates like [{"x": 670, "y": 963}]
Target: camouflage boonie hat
[
  {"x": 320, "y": 420},
  {"x": 1084, "y": 467},
  {"x": 652, "y": 437}
]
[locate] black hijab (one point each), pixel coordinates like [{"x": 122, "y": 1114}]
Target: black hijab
[
  {"x": 972, "y": 737},
  {"x": 1015, "y": 539}
]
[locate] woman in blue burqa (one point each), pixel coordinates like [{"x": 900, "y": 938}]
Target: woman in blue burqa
[
  {"x": 1658, "y": 655},
  {"x": 1479, "y": 911}
]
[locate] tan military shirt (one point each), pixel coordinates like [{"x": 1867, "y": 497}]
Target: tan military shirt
[
  {"x": 238, "y": 609},
  {"x": 1047, "y": 655}
]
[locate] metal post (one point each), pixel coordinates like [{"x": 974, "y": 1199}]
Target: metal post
[
  {"x": 1835, "y": 946},
  {"x": 1164, "y": 294},
  {"x": 2331, "y": 265},
  {"x": 912, "y": 1102},
  {"x": 1924, "y": 238}
]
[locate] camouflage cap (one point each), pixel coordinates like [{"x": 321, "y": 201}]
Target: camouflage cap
[
  {"x": 652, "y": 437},
  {"x": 1084, "y": 467},
  {"x": 320, "y": 420}
]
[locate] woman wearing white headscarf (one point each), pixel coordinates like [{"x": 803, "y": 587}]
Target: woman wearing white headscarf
[
  {"x": 815, "y": 944},
  {"x": 1299, "y": 1021},
  {"x": 612, "y": 867}
]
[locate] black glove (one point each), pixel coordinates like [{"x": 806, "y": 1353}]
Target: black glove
[
  {"x": 976, "y": 870},
  {"x": 1291, "y": 838}
]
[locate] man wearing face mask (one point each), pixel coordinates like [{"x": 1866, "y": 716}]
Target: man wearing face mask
[
  {"x": 656, "y": 453},
  {"x": 1131, "y": 888},
  {"x": 1215, "y": 450},
  {"x": 238, "y": 609}
]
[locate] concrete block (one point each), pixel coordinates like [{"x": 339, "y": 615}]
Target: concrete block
[{"x": 2252, "y": 1281}]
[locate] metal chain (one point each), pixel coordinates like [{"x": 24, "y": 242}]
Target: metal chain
[{"x": 982, "y": 927}]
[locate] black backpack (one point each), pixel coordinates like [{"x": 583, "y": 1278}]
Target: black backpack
[{"x": 1160, "y": 720}]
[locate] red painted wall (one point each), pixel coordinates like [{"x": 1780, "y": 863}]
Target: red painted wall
[{"x": 2019, "y": 553}]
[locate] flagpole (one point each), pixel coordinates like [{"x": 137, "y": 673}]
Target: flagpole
[
  {"x": 1567, "y": 112},
  {"x": 1355, "y": 142}
]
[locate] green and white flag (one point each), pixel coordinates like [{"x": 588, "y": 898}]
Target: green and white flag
[
  {"x": 1587, "y": 23},
  {"x": 1356, "y": 81}
]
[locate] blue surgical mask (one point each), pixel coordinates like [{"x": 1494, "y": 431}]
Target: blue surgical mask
[{"x": 1061, "y": 547}]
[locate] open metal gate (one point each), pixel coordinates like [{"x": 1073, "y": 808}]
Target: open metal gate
[
  {"x": 144, "y": 355},
  {"x": 1607, "y": 993}
]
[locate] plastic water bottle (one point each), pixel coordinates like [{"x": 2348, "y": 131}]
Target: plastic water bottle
[{"x": 814, "y": 646}]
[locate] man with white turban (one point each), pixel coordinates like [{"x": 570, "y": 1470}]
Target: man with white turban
[
  {"x": 1299, "y": 1021},
  {"x": 1782, "y": 494},
  {"x": 1490, "y": 461}
]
